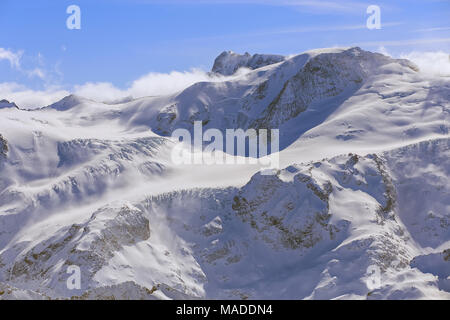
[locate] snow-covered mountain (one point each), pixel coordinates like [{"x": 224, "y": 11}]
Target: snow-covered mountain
[
  {"x": 228, "y": 62},
  {"x": 363, "y": 183}
]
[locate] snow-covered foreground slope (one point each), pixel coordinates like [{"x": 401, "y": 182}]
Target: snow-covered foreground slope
[{"x": 363, "y": 183}]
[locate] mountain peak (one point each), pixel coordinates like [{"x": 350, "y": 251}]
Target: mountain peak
[
  {"x": 6, "y": 104},
  {"x": 228, "y": 62}
]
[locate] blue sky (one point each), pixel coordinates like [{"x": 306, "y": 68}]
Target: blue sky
[{"x": 122, "y": 40}]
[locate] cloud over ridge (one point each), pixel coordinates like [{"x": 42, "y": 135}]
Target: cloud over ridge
[
  {"x": 150, "y": 84},
  {"x": 160, "y": 84}
]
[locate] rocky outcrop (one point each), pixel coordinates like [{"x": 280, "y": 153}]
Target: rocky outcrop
[
  {"x": 228, "y": 62},
  {"x": 4, "y": 104}
]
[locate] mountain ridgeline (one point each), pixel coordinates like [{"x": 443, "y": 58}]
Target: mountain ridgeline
[
  {"x": 277, "y": 93},
  {"x": 363, "y": 185}
]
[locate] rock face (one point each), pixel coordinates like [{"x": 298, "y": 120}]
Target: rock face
[
  {"x": 228, "y": 62},
  {"x": 3, "y": 147}
]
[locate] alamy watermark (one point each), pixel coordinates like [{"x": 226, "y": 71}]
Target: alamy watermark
[
  {"x": 74, "y": 280},
  {"x": 74, "y": 20},
  {"x": 236, "y": 147}
]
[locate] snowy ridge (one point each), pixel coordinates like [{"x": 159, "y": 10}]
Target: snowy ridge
[{"x": 336, "y": 215}]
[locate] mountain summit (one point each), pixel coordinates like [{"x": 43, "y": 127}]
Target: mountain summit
[{"x": 228, "y": 62}]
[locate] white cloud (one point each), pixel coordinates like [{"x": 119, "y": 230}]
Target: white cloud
[
  {"x": 15, "y": 62},
  {"x": 99, "y": 91},
  {"x": 383, "y": 50},
  {"x": 151, "y": 84},
  {"x": 437, "y": 63},
  {"x": 36, "y": 72},
  {"x": 12, "y": 57}
]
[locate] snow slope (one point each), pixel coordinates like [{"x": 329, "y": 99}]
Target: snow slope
[{"x": 363, "y": 182}]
